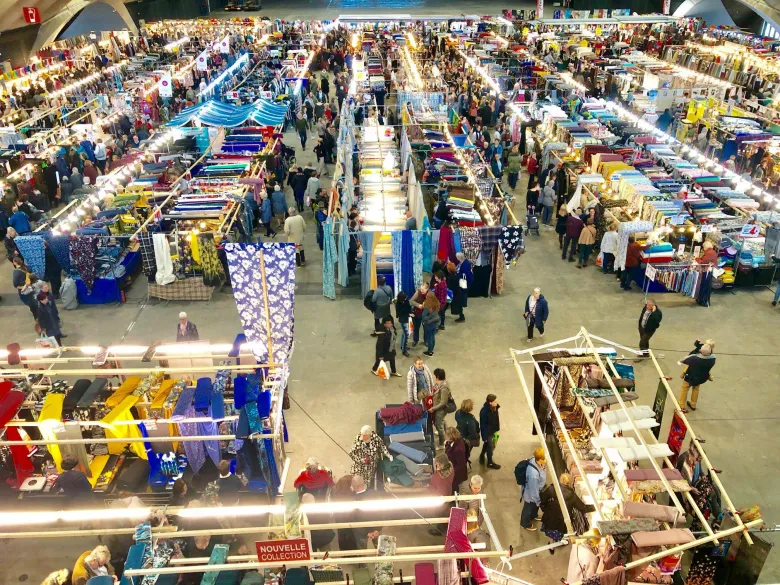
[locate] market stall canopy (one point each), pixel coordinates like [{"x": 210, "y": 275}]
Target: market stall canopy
[{"x": 214, "y": 113}]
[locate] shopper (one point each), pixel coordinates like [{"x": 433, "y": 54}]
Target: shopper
[
  {"x": 92, "y": 563},
  {"x": 385, "y": 347},
  {"x": 536, "y": 313},
  {"x": 609, "y": 243},
  {"x": 514, "y": 166},
  {"x": 73, "y": 483},
  {"x": 294, "y": 229},
  {"x": 441, "y": 479},
  {"x": 699, "y": 365},
  {"x": 266, "y": 214},
  {"x": 633, "y": 259},
  {"x": 553, "y": 524},
  {"x": 560, "y": 225},
  {"x": 549, "y": 197},
  {"x": 586, "y": 241},
  {"x": 430, "y": 322},
  {"x": 649, "y": 321},
  {"x": 532, "y": 196},
  {"x": 302, "y": 128},
  {"x": 382, "y": 299},
  {"x": 48, "y": 318},
  {"x": 314, "y": 479},
  {"x": 419, "y": 381},
  {"x": 279, "y": 206},
  {"x": 229, "y": 485},
  {"x": 574, "y": 226},
  {"x": 298, "y": 182},
  {"x": 24, "y": 281},
  {"x": 457, "y": 452},
  {"x": 535, "y": 479},
  {"x": 439, "y": 286},
  {"x": 366, "y": 454},
  {"x": 403, "y": 310},
  {"x": 441, "y": 397},
  {"x": 460, "y": 289},
  {"x": 187, "y": 330},
  {"x": 417, "y": 300},
  {"x": 467, "y": 425},
  {"x": 489, "y": 426}
]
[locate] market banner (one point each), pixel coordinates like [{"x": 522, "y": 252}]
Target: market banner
[
  {"x": 677, "y": 433},
  {"x": 224, "y": 45},
  {"x": 166, "y": 86},
  {"x": 203, "y": 61},
  {"x": 659, "y": 404}
]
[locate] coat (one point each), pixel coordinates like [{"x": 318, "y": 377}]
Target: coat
[
  {"x": 553, "y": 515},
  {"x": 535, "y": 478},
  {"x": 588, "y": 235},
  {"x": 48, "y": 319},
  {"x": 699, "y": 367},
  {"x": 653, "y": 321},
  {"x": 266, "y": 212},
  {"x": 294, "y": 228},
  {"x": 548, "y": 195},
  {"x": 190, "y": 333},
  {"x": 541, "y": 311},
  {"x": 413, "y": 393},
  {"x": 489, "y": 422},
  {"x": 312, "y": 187},
  {"x": 81, "y": 574},
  {"x": 514, "y": 162},
  {"x": 440, "y": 398},
  {"x": 574, "y": 227},
  {"x": 467, "y": 426},
  {"x": 633, "y": 257},
  {"x": 383, "y": 297},
  {"x": 456, "y": 453},
  {"x": 385, "y": 344},
  {"x": 278, "y": 202}
]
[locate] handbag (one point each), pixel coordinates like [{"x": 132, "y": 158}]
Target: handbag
[
  {"x": 451, "y": 406},
  {"x": 463, "y": 282},
  {"x": 529, "y": 319}
]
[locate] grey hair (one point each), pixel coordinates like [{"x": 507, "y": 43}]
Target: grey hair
[
  {"x": 99, "y": 553},
  {"x": 311, "y": 463},
  {"x": 460, "y": 256},
  {"x": 477, "y": 480},
  {"x": 537, "y": 290},
  {"x": 292, "y": 211},
  {"x": 366, "y": 430}
]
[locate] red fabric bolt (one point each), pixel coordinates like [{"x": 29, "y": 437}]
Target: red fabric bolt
[{"x": 457, "y": 541}]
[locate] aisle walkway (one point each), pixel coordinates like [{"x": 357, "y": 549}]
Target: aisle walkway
[{"x": 333, "y": 394}]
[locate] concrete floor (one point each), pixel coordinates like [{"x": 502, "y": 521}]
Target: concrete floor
[{"x": 334, "y": 393}]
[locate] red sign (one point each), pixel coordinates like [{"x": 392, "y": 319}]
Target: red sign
[
  {"x": 282, "y": 551},
  {"x": 31, "y": 15}
]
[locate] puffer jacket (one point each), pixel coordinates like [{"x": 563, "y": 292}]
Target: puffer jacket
[{"x": 514, "y": 162}]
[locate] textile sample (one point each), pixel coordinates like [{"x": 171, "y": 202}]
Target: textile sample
[
  {"x": 408, "y": 264},
  {"x": 162, "y": 254},
  {"x": 383, "y": 573},
  {"x": 458, "y": 541},
  {"x": 418, "y": 245},
  {"x": 582, "y": 563},
  {"x": 59, "y": 247},
  {"x": 368, "y": 242},
  {"x": 213, "y": 273},
  {"x": 343, "y": 271},
  {"x": 253, "y": 298},
  {"x": 395, "y": 246},
  {"x": 31, "y": 249},
  {"x": 511, "y": 243},
  {"x": 329, "y": 257},
  {"x": 148, "y": 258},
  {"x": 471, "y": 242},
  {"x": 627, "y": 526},
  {"x": 83, "y": 251},
  {"x": 625, "y": 229}
]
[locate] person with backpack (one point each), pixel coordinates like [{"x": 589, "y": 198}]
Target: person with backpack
[
  {"x": 532, "y": 476},
  {"x": 441, "y": 399},
  {"x": 489, "y": 424},
  {"x": 381, "y": 299}
]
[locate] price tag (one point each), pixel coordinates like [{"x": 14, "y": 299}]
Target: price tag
[
  {"x": 678, "y": 219},
  {"x": 696, "y": 251},
  {"x": 707, "y": 228},
  {"x": 650, "y": 272},
  {"x": 681, "y": 249},
  {"x": 750, "y": 230}
]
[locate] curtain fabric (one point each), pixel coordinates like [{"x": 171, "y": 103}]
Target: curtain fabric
[
  {"x": 59, "y": 247},
  {"x": 213, "y": 273},
  {"x": 329, "y": 257},
  {"x": 162, "y": 254},
  {"x": 428, "y": 245},
  {"x": 31, "y": 249},
  {"x": 252, "y": 299},
  {"x": 368, "y": 242},
  {"x": 148, "y": 259},
  {"x": 511, "y": 243},
  {"x": 407, "y": 264},
  {"x": 83, "y": 250},
  {"x": 418, "y": 238},
  {"x": 396, "y": 245},
  {"x": 343, "y": 271},
  {"x": 458, "y": 541}
]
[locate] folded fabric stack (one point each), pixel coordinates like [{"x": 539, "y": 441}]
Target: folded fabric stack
[
  {"x": 646, "y": 481},
  {"x": 657, "y": 254},
  {"x": 406, "y": 413}
]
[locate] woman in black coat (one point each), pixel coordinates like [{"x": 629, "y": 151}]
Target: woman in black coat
[
  {"x": 532, "y": 195},
  {"x": 560, "y": 224},
  {"x": 385, "y": 346},
  {"x": 553, "y": 524}
]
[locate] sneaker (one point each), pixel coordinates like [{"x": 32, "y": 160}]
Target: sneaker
[
  {"x": 529, "y": 340},
  {"x": 541, "y": 335},
  {"x": 494, "y": 466},
  {"x": 691, "y": 406},
  {"x": 395, "y": 375},
  {"x": 531, "y": 529},
  {"x": 428, "y": 353},
  {"x": 374, "y": 372}
]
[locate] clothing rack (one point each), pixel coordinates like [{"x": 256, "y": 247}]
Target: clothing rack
[{"x": 680, "y": 267}]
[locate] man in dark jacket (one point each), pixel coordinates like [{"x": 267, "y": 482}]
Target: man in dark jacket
[
  {"x": 633, "y": 258},
  {"x": 382, "y": 299},
  {"x": 700, "y": 363},
  {"x": 229, "y": 485},
  {"x": 574, "y": 227},
  {"x": 385, "y": 346},
  {"x": 298, "y": 182},
  {"x": 72, "y": 482},
  {"x": 649, "y": 321},
  {"x": 489, "y": 425},
  {"x": 536, "y": 313}
]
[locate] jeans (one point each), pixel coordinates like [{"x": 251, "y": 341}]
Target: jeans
[
  {"x": 608, "y": 262},
  {"x": 404, "y": 337},
  {"x": 585, "y": 250},
  {"x": 625, "y": 279},
  {"x": 528, "y": 515},
  {"x": 547, "y": 213},
  {"x": 429, "y": 336},
  {"x": 302, "y": 136},
  {"x": 644, "y": 339},
  {"x": 777, "y": 292},
  {"x": 512, "y": 180},
  {"x": 567, "y": 240},
  {"x": 101, "y": 164},
  {"x": 442, "y": 316},
  {"x": 417, "y": 324},
  {"x": 684, "y": 394},
  {"x": 389, "y": 360},
  {"x": 487, "y": 450},
  {"x": 300, "y": 257}
]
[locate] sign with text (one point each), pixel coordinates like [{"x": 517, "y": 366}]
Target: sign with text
[
  {"x": 282, "y": 551},
  {"x": 650, "y": 272},
  {"x": 750, "y": 230},
  {"x": 31, "y": 15}
]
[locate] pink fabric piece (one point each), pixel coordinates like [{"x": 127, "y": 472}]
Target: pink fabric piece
[
  {"x": 446, "y": 244},
  {"x": 457, "y": 541},
  {"x": 650, "y": 474}
]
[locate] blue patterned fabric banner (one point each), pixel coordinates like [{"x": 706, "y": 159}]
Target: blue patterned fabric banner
[
  {"x": 328, "y": 260},
  {"x": 407, "y": 263},
  {"x": 396, "y": 247},
  {"x": 244, "y": 261},
  {"x": 343, "y": 269},
  {"x": 418, "y": 239},
  {"x": 31, "y": 249}
]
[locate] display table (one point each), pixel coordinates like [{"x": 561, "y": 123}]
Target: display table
[{"x": 109, "y": 290}]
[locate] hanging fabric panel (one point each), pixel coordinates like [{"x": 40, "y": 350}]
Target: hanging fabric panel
[
  {"x": 418, "y": 245},
  {"x": 162, "y": 254},
  {"x": 32, "y": 250},
  {"x": 343, "y": 270},
  {"x": 395, "y": 241},
  {"x": 407, "y": 264},
  {"x": 83, "y": 251},
  {"x": 148, "y": 259},
  {"x": 368, "y": 241},
  {"x": 265, "y": 302},
  {"x": 329, "y": 257}
]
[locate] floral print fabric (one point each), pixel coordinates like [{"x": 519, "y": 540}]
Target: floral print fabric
[
  {"x": 471, "y": 242},
  {"x": 83, "y": 251},
  {"x": 511, "y": 243},
  {"x": 244, "y": 262},
  {"x": 418, "y": 245},
  {"x": 213, "y": 273},
  {"x": 31, "y": 249}
]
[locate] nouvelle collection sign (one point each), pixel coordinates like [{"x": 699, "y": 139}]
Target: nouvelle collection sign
[{"x": 280, "y": 551}]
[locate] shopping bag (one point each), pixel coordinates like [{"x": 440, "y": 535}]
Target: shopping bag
[
  {"x": 46, "y": 342},
  {"x": 383, "y": 371},
  {"x": 411, "y": 325},
  {"x": 463, "y": 282}
]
